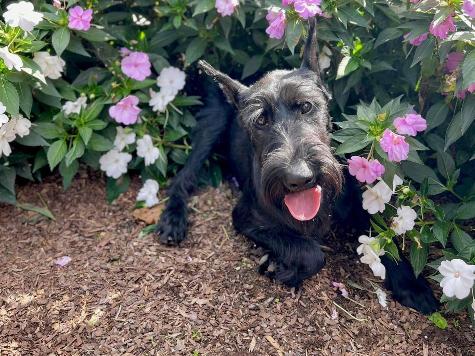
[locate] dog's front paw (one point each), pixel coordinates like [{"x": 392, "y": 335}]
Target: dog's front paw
[
  {"x": 171, "y": 228},
  {"x": 416, "y": 295}
]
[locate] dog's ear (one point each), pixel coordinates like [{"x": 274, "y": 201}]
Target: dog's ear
[
  {"x": 230, "y": 87},
  {"x": 310, "y": 59}
]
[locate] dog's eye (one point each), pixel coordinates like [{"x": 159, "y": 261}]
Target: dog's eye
[
  {"x": 261, "y": 120},
  {"x": 306, "y": 107}
]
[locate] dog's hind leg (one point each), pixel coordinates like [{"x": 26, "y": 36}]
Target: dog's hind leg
[
  {"x": 296, "y": 258},
  {"x": 212, "y": 122}
]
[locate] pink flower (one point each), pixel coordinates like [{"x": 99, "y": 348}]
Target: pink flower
[
  {"x": 126, "y": 111},
  {"x": 415, "y": 1},
  {"x": 453, "y": 61},
  {"x": 364, "y": 170},
  {"x": 57, "y": 4},
  {"x": 468, "y": 8},
  {"x": 417, "y": 41},
  {"x": 410, "y": 124},
  {"x": 395, "y": 146},
  {"x": 136, "y": 66},
  {"x": 226, "y": 7},
  {"x": 462, "y": 93},
  {"x": 124, "y": 52},
  {"x": 341, "y": 287},
  {"x": 287, "y": 2},
  {"x": 276, "y": 19},
  {"x": 443, "y": 29},
  {"x": 79, "y": 19},
  {"x": 307, "y": 8}
]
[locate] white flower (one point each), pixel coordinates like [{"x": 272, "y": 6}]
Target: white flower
[
  {"x": 458, "y": 278},
  {"x": 7, "y": 135},
  {"x": 159, "y": 101},
  {"x": 371, "y": 254},
  {"x": 74, "y": 107},
  {"x": 397, "y": 181},
  {"x": 375, "y": 198},
  {"x": 382, "y": 297},
  {"x": 149, "y": 193},
  {"x": 324, "y": 58},
  {"x": 20, "y": 125},
  {"x": 171, "y": 79},
  {"x": 11, "y": 60},
  {"x": 114, "y": 163},
  {"x": 146, "y": 150},
  {"x": 122, "y": 138},
  {"x": 3, "y": 117},
  {"x": 473, "y": 305},
  {"x": 51, "y": 66},
  {"x": 22, "y": 15},
  {"x": 405, "y": 220}
]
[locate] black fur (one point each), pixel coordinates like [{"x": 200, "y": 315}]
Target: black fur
[{"x": 277, "y": 141}]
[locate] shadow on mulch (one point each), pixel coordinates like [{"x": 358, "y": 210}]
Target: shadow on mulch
[{"x": 122, "y": 293}]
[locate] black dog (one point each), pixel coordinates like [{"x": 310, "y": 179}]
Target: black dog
[{"x": 278, "y": 148}]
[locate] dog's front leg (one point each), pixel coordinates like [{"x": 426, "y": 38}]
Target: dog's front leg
[{"x": 296, "y": 258}]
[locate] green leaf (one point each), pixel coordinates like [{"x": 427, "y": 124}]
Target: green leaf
[
  {"x": 76, "y": 151},
  {"x": 346, "y": 66},
  {"x": 32, "y": 140},
  {"x": 60, "y": 40},
  {"x": 466, "y": 211},
  {"x": 292, "y": 34},
  {"x": 56, "y": 153},
  {"x": 195, "y": 50},
  {"x": 7, "y": 178},
  {"x": 75, "y": 45},
  {"x": 9, "y": 97},
  {"x": 99, "y": 143},
  {"x": 468, "y": 69},
  {"x": 49, "y": 130},
  {"x": 425, "y": 50},
  {"x": 162, "y": 162},
  {"x": 97, "y": 125},
  {"x": 203, "y": 6},
  {"x": 418, "y": 257},
  {"x": 252, "y": 66},
  {"x": 460, "y": 239},
  {"x": 386, "y": 36},
  {"x": 68, "y": 172},
  {"x": 116, "y": 187},
  {"x": 461, "y": 122},
  {"x": 25, "y": 97},
  {"x": 353, "y": 144},
  {"x": 85, "y": 133},
  {"x": 445, "y": 164},
  {"x": 441, "y": 231},
  {"x": 436, "y": 115},
  {"x": 30, "y": 207},
  {"x": 95, "y": 35},
  {"x": 438, "y": 320}
]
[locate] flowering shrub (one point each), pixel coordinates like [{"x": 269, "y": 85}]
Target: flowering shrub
[{"x": 103, "y": 83}]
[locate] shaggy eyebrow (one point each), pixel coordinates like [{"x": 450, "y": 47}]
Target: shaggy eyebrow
[{"x": 296, "y": 92}]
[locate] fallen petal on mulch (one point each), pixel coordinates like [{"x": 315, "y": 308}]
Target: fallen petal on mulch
[
  {"x": 62, "y": 261},
  {"x": 148, "y": 215}
]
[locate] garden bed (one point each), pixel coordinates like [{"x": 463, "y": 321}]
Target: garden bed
[{"x": 122, "y": 293}]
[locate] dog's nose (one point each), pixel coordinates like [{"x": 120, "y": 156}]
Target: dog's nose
[{"x": 298, "y": 175}]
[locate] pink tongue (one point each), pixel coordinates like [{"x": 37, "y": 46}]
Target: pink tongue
[{"x": 304, "y": 205}]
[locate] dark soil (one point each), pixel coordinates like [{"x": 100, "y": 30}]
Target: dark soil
[{"x": 124, "y": 294}]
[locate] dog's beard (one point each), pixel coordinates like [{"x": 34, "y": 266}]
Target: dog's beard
[{"x": 323, "y": 165}]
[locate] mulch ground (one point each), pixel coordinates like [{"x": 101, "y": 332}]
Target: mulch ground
[{"x": 124, "y": 294}]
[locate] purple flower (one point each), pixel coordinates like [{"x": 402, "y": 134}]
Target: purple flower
[
  {"x": 410, "y": 124},
  {"x": 307, "y": 8},
  {"x": 136, "y": 66},
  {"x": 126, "y": 111},
  {"x": 395, "y": 146},
  {"x": 417, "y": 41},
  {"x": 468, "y": 8},
  {"x": 62, "y": 261},
  {"x": 226, "y": 7},
  {"x": 79, "y": 19},
  {"x": 276, "y": 19},
  {"x": 287, "y": 2},
  {"x": 443, "y": 29},
  {"x": 453, "y": 61}
]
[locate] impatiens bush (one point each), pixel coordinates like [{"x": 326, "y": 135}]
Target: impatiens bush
[{"x": 104, "y": 84}]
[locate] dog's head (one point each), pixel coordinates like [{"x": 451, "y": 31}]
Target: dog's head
[{"x": 286, "y": 117}]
